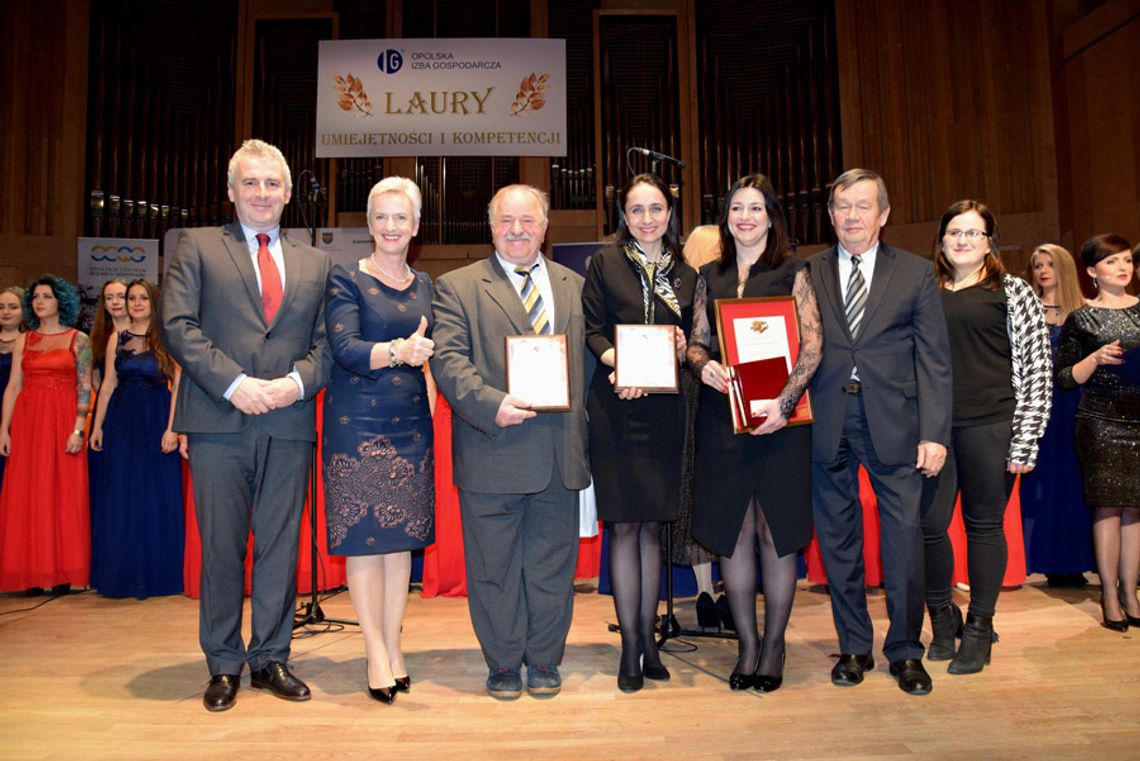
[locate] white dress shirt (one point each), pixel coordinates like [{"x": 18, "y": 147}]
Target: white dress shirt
[{"x": 541, "y": 277}]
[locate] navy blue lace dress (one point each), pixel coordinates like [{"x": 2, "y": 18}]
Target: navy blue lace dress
[{"x": 377, "y": 441}]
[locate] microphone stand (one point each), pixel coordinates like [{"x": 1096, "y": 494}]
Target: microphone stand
[{"x": 312, "y": 609}]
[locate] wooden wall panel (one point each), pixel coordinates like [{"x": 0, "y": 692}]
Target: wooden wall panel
[
  {"x": 41, "y": 135},
  {"x": 951, "y": 100},
  {"x": 1102, "y": 59}
]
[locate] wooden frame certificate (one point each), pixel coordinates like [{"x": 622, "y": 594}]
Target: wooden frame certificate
[
  {"x": 538, "y": 371},
  {"x": 645, "y": 357},
  {"x": 759, "y": 344}
]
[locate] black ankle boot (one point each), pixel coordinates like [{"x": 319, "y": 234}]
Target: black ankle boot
[
  {"x": 977, "y": 639},
  {"x": 946, "y": 624}
]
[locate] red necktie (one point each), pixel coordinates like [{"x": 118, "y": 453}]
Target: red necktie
[{"x": 270, "y": 279}]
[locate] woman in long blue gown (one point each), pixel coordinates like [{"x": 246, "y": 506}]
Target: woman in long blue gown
[
  {"x": 1056, "y": 523},
  {"x": 11, "y": 323},
  {"x": 137, "y": 527}
]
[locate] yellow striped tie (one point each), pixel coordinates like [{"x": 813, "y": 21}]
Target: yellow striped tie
[{"x": 532, "y": 300}]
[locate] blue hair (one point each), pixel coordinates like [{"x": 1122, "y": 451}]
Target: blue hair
[{"x": 65, "y": 293}]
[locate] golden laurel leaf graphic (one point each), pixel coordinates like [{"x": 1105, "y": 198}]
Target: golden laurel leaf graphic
[
  {"x": 531, "y": 95},
  {"x": 759, "y": 326},
  {"x": 352, "y": 95}
]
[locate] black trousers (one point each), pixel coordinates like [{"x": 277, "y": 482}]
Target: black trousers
[{"x": 976, "y": 467}]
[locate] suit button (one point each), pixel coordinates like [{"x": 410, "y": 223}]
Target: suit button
[{"x": 269, "y": 334}]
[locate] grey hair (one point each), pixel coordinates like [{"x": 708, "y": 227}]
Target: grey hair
[
  {"x": 397, "y": 185},
  {"x": 852, "y": 176},
  {"x": 261, "y": 149},
  {"x": 542, "y": 198}
]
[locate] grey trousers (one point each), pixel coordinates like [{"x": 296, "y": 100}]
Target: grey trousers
[
  {"x": 521, "y": 551},
  {"x": 241, "y": 481}
]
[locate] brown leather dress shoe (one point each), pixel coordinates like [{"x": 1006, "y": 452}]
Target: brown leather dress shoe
[
  {"x": 848, "y": 672},
  {"x": 276, "y": 678},
  {"x": 222, "y": 692}
]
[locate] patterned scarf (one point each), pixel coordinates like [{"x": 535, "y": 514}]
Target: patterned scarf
[{"x": 656, "y": 273}]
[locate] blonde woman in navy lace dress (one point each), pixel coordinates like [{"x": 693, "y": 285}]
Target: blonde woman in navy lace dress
[{"x": 377, "y": 441}]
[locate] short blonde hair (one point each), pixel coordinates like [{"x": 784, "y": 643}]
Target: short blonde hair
[
  {"x": 397, "y": 185},
  {"x": 542, "y": 198},
  {"x": 260, "y": 149}
]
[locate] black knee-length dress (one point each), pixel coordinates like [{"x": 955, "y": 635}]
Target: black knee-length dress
[
  {"x": 731, "y": 468},
  {"x": 635, "y": 445}
]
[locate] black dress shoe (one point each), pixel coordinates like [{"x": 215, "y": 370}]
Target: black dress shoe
[
  {"x": 385, "y": 695},
  {"x": 725, "y": 613},
  {"x": 848, "y": 672},
  {"x": 655, "y": 671},
  {"x": 403, "y": 684},
  {"x": 630, "y": 682},
  {"x": 222, "y": 692},
  {"x": 707, "y": 617},
  {"x": 769, "y": 683},
  {"x": 275, "y": 677},
  {"x": 912, "y": 677},
  {"x": 738, "y": 681}
]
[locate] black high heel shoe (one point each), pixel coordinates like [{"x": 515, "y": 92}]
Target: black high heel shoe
[
  {"x": 747, "y": 680},
  {"x": 1108, "y": 623},
  {"x": 766, "y": 683},
  {"x": 725, "y": 613},
  {"x": 1132, "y": 620},
  {"x": 385, "y": 695},
  {"x": 403, "y": 684},
  {"x": 707, "y": 617}
]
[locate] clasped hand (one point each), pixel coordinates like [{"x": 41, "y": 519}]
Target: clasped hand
[{"x": 255, "y": 396}]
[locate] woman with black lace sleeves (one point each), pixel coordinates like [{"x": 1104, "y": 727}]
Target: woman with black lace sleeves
[
  {"x": 1095, "y": 341},
  {"x": 999, "y": 352},
  {"x": 754, "y": 488},
  {"x": 377, "y": 446}
]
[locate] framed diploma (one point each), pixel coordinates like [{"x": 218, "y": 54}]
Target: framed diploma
[
  {"x": 645, "y": 357},
  {"x": 538, "y": 371},
  {"x": 759, "y": 344}
]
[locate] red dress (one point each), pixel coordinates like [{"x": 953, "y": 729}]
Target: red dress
[{"x": 45, "y": 523}]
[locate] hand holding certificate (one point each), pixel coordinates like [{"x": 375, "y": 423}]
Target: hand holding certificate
[
  {"x": 538, "y": 371},
  {"x": 759, "y": 343},
  {"x": 645, "y": 357}
]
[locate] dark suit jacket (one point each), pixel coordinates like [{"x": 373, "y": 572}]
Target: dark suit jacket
[
  {"x": 474, "y": 308},
  {"x": 213, "y": 325},
  {"x": 902, "y": 352}
]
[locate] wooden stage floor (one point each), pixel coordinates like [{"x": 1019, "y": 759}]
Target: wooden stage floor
[{"x": 92, "y": 678}]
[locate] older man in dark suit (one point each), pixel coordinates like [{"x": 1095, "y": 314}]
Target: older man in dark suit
[
  {"x": 243, "y": 314},
  {"x": 882, "y": 399},
  {"x": 518, "y": 471}
]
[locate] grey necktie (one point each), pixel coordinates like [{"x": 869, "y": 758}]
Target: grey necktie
[{"x": 856, "y": 298}]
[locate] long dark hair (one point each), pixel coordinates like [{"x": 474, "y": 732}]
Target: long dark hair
[
  {"x": 153, "y": 337},
  {"x": 776, "y": 249},
  {"x": 101, "y": 328},
  {"x": 992, "y": 269},
  {"x": 669, "y": 239}
]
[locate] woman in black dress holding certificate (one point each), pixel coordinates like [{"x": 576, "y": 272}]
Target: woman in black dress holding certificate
[
  {"x": 1094, "y": 343},
  {"x": 636, "y": 438},
  {"x": 754, "y": 488}
]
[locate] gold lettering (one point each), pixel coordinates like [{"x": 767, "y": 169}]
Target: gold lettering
[{"x": 483, "y": 100}]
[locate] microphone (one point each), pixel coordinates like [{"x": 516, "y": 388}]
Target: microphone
[
  {"x": 660, "y": 157},
  {"x": 314, "y": 190}
]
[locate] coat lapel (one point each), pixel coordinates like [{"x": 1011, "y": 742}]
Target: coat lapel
[
  {"x": 234, "y": 239},
  {"x": 829, "y": 284},
  {"x": 294, "y": 264},
  {"x": 500, "y": 290},
  {"x": 563, "y": 298},
  {"x": 885, "y": 262}
]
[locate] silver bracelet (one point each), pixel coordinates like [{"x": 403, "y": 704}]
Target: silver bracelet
[{"x": 394, "y": 358}]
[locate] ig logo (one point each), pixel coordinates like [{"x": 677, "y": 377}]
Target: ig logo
[{"x": 389, "y": 61}]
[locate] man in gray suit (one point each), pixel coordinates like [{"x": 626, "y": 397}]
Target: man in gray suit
[
  {"x": 243, "y": 314},
  {"x": 518, "y": 471},
  {"x": 882, "y": 398}
]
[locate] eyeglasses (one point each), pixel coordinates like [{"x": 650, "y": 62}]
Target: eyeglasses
[{"x": 973, "y": 235}]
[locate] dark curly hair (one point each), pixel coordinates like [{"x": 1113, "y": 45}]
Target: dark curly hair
[{"x": 65, "y": 293}]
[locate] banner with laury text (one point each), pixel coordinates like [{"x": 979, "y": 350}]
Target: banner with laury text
[
  {"x": 441, "y": 97},
  {"x": 103, "y": 259}
]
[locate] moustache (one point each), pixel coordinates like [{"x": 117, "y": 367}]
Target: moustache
[{"x": 519, "y": 236}]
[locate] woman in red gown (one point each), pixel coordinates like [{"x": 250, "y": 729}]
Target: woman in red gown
[{"x": 45, "y": 536}]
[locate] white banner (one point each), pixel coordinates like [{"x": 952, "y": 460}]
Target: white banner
[
  {"x": 441, "y": 97},
  {"x": 101, "y": 259}
]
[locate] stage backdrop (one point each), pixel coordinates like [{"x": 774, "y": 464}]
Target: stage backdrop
[
  {"x": 441, "y": 97},
  {"x": 100, "y": 259}
]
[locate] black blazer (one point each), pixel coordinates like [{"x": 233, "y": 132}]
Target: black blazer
[{"x": 902, "y": 352}]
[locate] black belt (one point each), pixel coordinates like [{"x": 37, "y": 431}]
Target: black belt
[{"x": 852, "y": 387}]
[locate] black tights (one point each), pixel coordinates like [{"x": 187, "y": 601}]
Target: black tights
[
  {"x": 635, "y": 577},
  {"x": 779, "y": 580}
]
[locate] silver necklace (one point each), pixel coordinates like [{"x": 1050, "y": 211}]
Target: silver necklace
[{"x": 405, "y": 278}]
